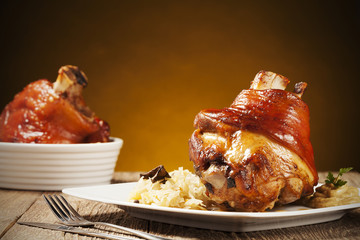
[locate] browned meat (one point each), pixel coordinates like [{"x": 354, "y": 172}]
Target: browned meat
[
  {"x": 257, "y": 152},
  {"x": 52, "y": 113}
]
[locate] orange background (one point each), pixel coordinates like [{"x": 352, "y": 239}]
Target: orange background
[{"x": 153, "y": 65}]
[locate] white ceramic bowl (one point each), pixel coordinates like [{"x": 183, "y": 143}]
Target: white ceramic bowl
[{"x": 57, "y": 166}]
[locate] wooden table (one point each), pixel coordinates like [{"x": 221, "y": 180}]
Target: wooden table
[{"x": 29, "y": 206}]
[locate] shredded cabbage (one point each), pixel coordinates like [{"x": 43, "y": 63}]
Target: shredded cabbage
[{"x": 183, "y": 190}]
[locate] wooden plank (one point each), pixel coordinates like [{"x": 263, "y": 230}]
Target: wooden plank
[
  {"x": 39, "y": 212},
  {"x": 13, "y": 205},
  {"x": 121, "y": 177},
  {"x": 94, "y": 211}
]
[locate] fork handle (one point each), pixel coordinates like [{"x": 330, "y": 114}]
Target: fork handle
[{"x": 130, "y": 230}]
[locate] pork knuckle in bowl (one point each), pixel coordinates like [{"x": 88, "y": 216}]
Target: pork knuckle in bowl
[{"x": 50, "y": 139}]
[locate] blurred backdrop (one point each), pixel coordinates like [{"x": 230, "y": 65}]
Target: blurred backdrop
[{"x": 153, "y": 65}]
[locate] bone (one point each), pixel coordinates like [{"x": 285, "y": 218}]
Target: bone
[
  {"x": 69, "y": 84},
  {"x": 269, "y": 80},
  {"x": 70, "y": 78},
  {"x": 300, "y": 88}
]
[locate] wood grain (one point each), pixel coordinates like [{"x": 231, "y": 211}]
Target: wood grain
[
  {"x": 39, "y": 212},
  {"x": 12, "y": 205},
  {"x": 30, "y": 206}
]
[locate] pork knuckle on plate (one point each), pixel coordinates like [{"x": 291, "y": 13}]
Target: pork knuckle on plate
[{"x": 257, "y": 152}]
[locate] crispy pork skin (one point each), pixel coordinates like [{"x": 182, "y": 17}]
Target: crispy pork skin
[
  {"x": 52, "y": 113},
  {"x": 257, "y": 152}
]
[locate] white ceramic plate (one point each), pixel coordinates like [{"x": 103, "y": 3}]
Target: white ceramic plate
[{"x": 287, "y": 216}]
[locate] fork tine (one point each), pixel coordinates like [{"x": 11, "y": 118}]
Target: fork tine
[
  {"x": 52, "y": 208},
  {"x": 70, "y": 217},
  {"x": 65, "y": 209},
  {"x": 60, "y": 211},
  {"x": 72, "y": 210}
]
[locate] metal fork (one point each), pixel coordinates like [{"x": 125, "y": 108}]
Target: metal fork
[{"x": 68, "y": 216}]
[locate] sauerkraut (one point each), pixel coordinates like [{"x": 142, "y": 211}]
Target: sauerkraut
[
  {"x": 329, "y": 196},
  {"x": 183, "y": 190}
]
